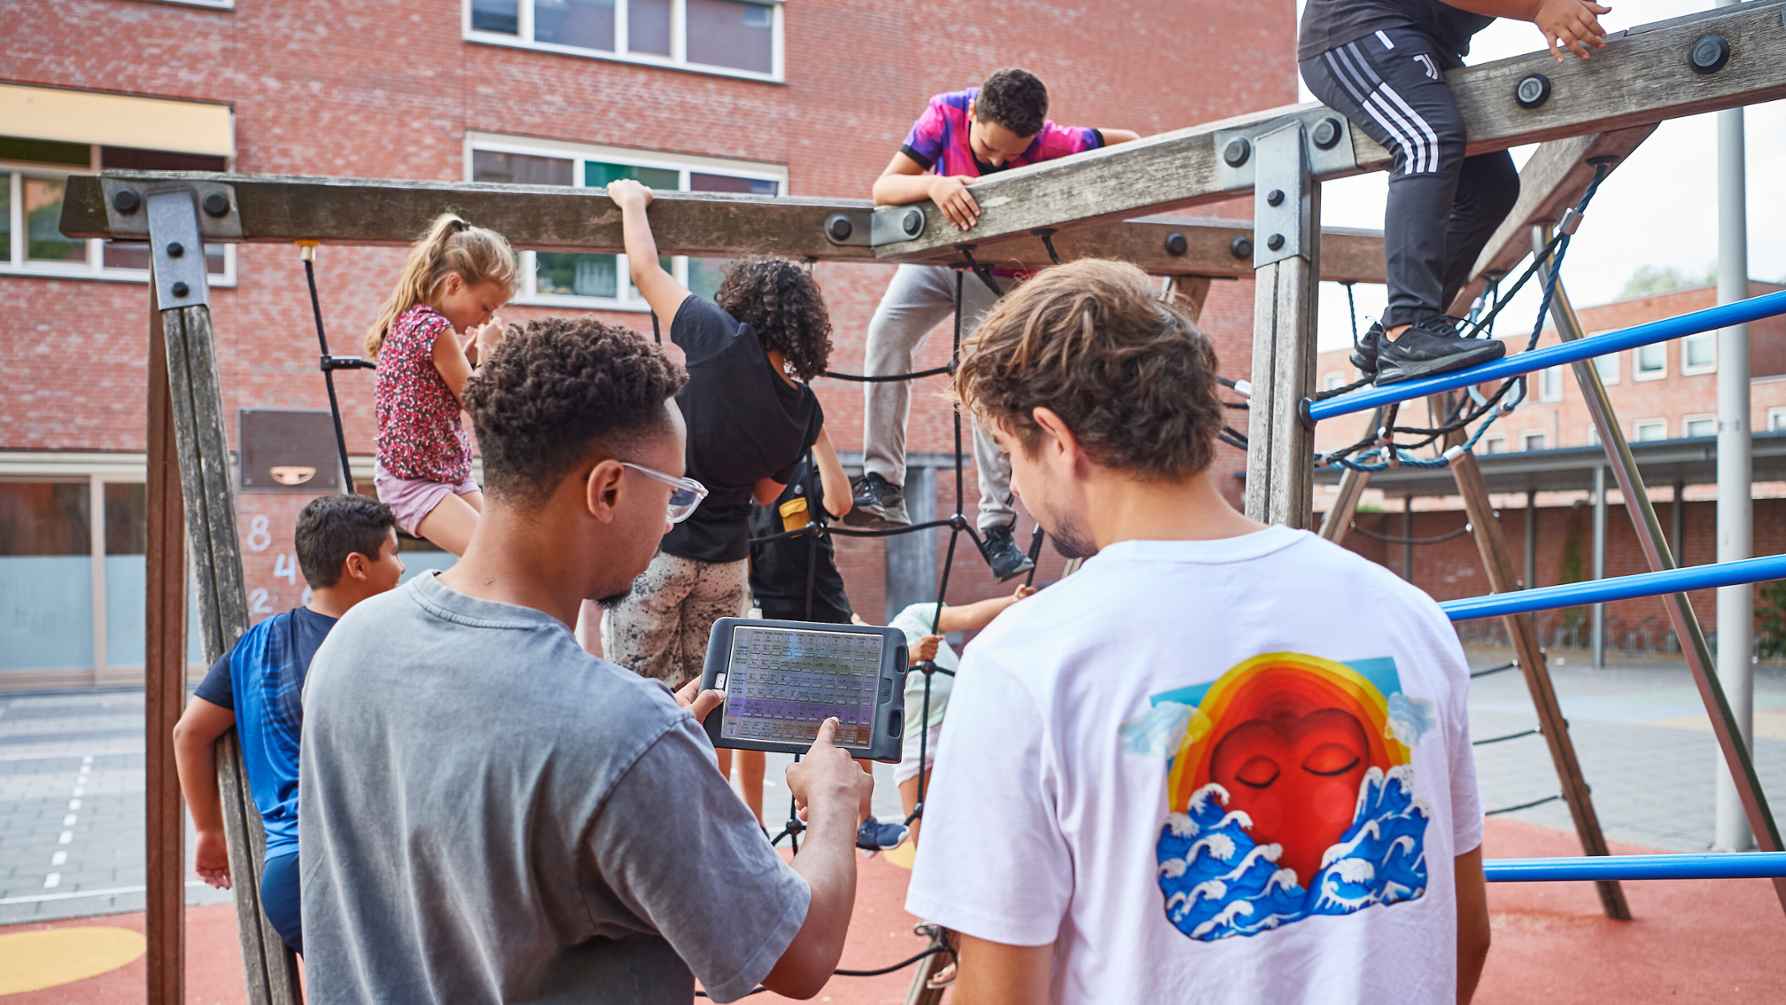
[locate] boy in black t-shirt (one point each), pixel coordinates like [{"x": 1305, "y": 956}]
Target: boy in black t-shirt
[{"x": 1383, "y": 63}]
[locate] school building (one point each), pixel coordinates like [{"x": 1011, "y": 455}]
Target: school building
[
  {"x": 760, "y": 96},
  {"x": 1540, "y": 463}
]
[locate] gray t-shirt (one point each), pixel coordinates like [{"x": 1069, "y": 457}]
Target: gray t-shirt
[
  {"x": 1330, "y": 23},
  {"x": 488, "y": 813}
]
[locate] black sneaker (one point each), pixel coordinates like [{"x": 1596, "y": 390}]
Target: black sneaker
[
  {"x": 1364, "y": 351},
  {"x": 1001, "y": 552},
  {"x": 879, "y": 504},
  {"x": 1432, "y": 346}
]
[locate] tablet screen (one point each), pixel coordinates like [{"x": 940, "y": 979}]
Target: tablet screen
[{"x": 781, "y": 683}]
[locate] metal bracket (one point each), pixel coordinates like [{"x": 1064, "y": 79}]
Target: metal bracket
[
  {"x": 177, "y": 249},
  {"x": 1282, "y": 196},
  {"x": 893, "y": 224},
  {"x": 220, "y": 220},
  {"x": 850, "y": 228},
  {"x": 1327, "y": 137}
]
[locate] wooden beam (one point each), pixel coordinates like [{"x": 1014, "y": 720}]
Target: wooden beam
[
  {"x": 1642, "y": 76},
  {"x": 280, "y": 209},
  {"x": 164, "y": 680}
]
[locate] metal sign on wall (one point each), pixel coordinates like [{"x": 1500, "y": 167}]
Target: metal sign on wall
[{"x": 287, "y": 450}]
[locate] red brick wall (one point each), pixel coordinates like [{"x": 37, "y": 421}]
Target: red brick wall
[{"x": 391, "y": 89}]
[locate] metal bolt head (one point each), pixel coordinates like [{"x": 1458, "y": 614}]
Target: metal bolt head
[
  {"x": 912, "y": 222},
  {"x": 1709, "y": 53},
  {"x": 175, "y": 249},
  {"x": 1275, "y": 242},
  {"x": 1176, "y": 244},
  {"x": 840, "y": 228},
  {"x": 1275, "y": 197},
  {"x": 1241, "y": 247},
  {"x": 1532, "y": 90},
  {"x": 181, "y": 289},
  {"x": 127, "y": 201},
  {"x": 217, "y": 204},
  {"x": 1327, "y": 133},
  {"x": 1237, "y": 151}
]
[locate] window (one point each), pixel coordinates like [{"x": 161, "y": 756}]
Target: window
[
  {"x": 1494, "y": 444},
  {"x": 1531, "y": 441},
  {"x": 1652, "y": 362},
  {"x": 1593, "y": 435},
  {"x": 1776, "y": 420},
  {"x": 1699, "y": 425},
  {"x": 1550, "y": 384},
  {"x": 33, "y": 179},
  {"x": 1608, "y": 367},
  {"x": 1650, "y": 429},
  {"x": 575, "y": 279},
  {"x": 1699, "y": 353},
  {"x": 740, "y": 38}
]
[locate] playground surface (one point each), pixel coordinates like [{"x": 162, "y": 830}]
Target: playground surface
[{"x": 1644, "y": 746}]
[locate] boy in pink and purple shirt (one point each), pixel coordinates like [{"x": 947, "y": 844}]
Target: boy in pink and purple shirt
[{"x": 962, "y": 136}]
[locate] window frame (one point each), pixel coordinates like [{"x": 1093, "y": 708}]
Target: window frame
[
  {"x": 1688, "y": 420},
  {"x": 1495, "y": 444},
  {"x": 627, "y": 298},
  {"x": 1638, "y": 427},
  {"x": 676, "y": 60},
  {"x": 1776, "y": 419},
  {"x": 1690, "y": 370},
  {"x": 1617, "y": 363},
  {"x": 1593, "y": 439},
  {"x": 1550, "y": 385},
  {"x": 1639, "y": 374},
  {"x": 92, "y": 265},
  {"x": 1526, "y": 438}
]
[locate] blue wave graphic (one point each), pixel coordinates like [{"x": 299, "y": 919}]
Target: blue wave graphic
[{"x": 1219, "y": 883}]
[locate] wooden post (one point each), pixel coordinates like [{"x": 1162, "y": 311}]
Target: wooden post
[
  {"x": 1286, "y": 249},
  {"x": 164, "y": 682},
  {"x": 1493, "y": 548},
  {"x": 203, "y": 462}
]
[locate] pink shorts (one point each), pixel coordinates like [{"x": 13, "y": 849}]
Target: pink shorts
[{"x": 411, "y": 499}]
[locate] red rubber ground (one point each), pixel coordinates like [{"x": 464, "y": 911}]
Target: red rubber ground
[{"x": 1712, "y": 940}]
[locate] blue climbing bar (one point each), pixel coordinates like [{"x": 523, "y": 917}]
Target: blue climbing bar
[
  {"x": 1644, "y": 584},
  {"x": 1710, "y": 319},
  {"x": 1726, "y": 865}
]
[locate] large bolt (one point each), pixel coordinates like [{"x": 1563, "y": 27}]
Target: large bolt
[
  {"x": 1275, "y": 242},
  {"x": 840, "y": 228},
  {"x": 1176, "y": 244},
  {"x": 175, "y": 249},
  {"x": 1709, "y": 53},
  {"x": 1327, "y": 133},
  {"x": 126, "y": 201},
  {"x": 1532, "y": 90},
  {"x": 1241, "y": 247},
  {"x": 912, "y": 222},
  {"x": 181, "y": 289},
  {"x": 217, "y": 204},
  {"x": 1237, "y": 151},
  {"x": 1275, "y": 197}
]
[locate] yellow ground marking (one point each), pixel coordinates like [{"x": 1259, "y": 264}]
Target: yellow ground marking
[
  {"x": 32, "y": 961},
  {"x": 902, "y": 856},
  {"x": 1769, "y": 724}
]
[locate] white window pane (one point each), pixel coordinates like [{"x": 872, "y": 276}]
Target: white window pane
[
  {"x": 1532, "y": 441},
  {"x": 1593, "y": 436},
  {"x": 1608, "y": 365},
  {"x": 731, "y": 33},
  {"x": 46, "y": 576},
  {"x": 1651, "y": 430},
  {"x": 520, "y": 169},
  {"x": 43, "y": 218},
  {"x": 1776, "y": 419},
  {"x": 500, "y": 16},
  {"x": 1652, "y": 358},
  {"x": 1701, "y": 427},
  {"x": 577, "y": 275},
  {"x": 586, "y": 24},
  {"x": 648, "y": 26},
  {"x": 1550, "y": 385},
  {"x": 1701, "y": 351}
]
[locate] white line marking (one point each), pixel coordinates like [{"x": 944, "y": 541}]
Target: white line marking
[
  {"x": 68, "y": 821},
  {"x": 108, "y": 892},
  {"x": 74, "y": 804},
  {"x": 66, "y": 837},
  {"x": 52, "y": 881},
  {"x": 58, "y": 858}
]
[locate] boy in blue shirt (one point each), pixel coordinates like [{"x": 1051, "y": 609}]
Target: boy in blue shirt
[{"x": 347, "y": 549}]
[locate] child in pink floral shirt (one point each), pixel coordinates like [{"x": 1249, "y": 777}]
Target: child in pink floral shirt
[{"x": 437, "y": 323}]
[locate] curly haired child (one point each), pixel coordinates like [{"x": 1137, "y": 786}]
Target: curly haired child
[{"x": 436, "y": 324}]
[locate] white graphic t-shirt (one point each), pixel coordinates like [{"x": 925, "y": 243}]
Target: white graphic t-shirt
[{"x": 1211, "y": 771}]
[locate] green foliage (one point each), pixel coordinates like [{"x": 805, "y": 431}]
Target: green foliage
[
  {"x": 1648, "y": 280},
  {"x": 1770, "y": 610}
]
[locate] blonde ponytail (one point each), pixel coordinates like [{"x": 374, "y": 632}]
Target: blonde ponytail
[{"x": 451, "y": 247}]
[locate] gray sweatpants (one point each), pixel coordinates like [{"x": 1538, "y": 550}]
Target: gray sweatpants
[{"x": 918, "y": 299}]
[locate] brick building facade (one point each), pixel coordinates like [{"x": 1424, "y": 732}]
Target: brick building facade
[{"x": 801, "y": 98}]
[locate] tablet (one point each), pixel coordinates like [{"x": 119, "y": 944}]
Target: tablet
[{"x": 782, "y": 679}]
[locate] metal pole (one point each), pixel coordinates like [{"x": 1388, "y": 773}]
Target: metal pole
[
  {"x": 1597, "y": 626},
  {"x": 1604, "y": 591},
  {"x": 1677, "y": 519},
  {"x": 1531, "y": 538},
  {"x": 1701, "y": 866},
  {"x": 1736, "y": 605}
]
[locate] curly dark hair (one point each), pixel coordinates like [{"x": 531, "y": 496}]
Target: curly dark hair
[
  {"x": 554, "y": 390},
  {"x": 1014, "y": 98},
  {"x": 1130, "y": 375},
  {"x": 780, "y": 301}
]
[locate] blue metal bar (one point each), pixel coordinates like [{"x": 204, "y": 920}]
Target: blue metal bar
[
  {"x": 1728, "y": 865},
  {"x": 1646, "y": 584},
  {"x": 1692, "y": 323}
]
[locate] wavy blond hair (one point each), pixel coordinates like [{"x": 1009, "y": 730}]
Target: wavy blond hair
[{"x": 451, "y": 247}]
